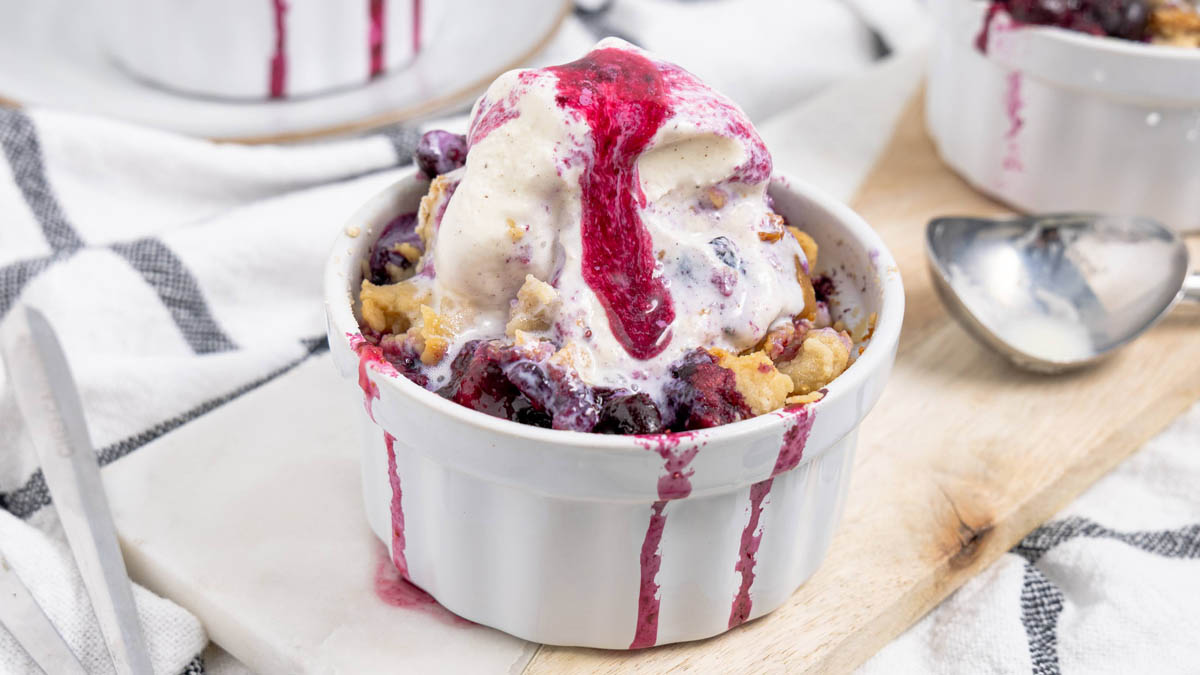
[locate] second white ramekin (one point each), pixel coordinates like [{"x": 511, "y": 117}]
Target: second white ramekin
[
  {"x": 584, "y": 539},
  {"x": 258, "y": 49},
  {"x": 1053, "y": 120}
]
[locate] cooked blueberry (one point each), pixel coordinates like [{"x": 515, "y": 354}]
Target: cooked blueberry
[
  {"x": 702, "y": 394},
  {"x": 1117, "y": 18},
  {"x": 477, "y": 381},
  {"x": 569, "y": 401},
  {"x": 1043, "y": 11},
  {"x": 403, "y": 354},
  {"x": 388, "y": 257},
  {"x": 629, "y": 413},
  {"x": 440, "y": 152},
  {"x": 726, "y": 251},
  {"x": 1122, "y": 18}
]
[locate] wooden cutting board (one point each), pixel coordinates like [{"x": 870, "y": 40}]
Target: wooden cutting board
[{"x": 961, "y": 457}]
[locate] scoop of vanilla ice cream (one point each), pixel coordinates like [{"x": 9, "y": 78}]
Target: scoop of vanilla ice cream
[{"x": 639, "y": 195}]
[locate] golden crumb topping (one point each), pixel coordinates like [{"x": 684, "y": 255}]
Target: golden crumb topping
[
  {"x": 1175, "y": 25},
  {"x": 392, "y": 308},
  {"x": 757, "y": 380},
  {"x": 823, "y": 356},
  {"x": 535, "y": 309}
]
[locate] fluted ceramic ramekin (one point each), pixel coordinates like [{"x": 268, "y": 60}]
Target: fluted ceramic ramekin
[
  {"x": 1054, "y": 120},
  {"x": 257, "y": 49},
  {"x": 619, "y": 542}
]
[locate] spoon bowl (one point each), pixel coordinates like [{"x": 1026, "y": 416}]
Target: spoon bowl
[{"x": 1059, "y": 291}]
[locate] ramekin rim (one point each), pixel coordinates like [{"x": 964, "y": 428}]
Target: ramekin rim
[
  {"x": 875, "y": 357},
  {"x": 1105, "y": 43}
]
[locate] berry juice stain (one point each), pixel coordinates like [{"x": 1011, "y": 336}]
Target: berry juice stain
[
  {"x": 396, "y": 591},
  {"x": 416, "y": 31},
  {"x": 278, "y": 81},
  {"x": 376, "y": 11},
  {"x": 397, "y": 507},
  {"x": 675, "y": 483},
  {"x": 748, "y": 549},
  {"x": 623, "y": 99},
  {"x": 790, "y": 453},
  {"x": 1013, "y": 105},
  {"x": 370, "y": 356}
]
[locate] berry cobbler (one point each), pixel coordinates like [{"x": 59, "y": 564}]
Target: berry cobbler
[
  {"x": 599, "y": 254},
  {"x": 1165, "y": 22}
]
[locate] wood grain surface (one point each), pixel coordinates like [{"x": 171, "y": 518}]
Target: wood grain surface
[{"x": 961, "y": 458}]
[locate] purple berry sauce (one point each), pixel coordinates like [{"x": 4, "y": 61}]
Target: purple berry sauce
[
  {"x": 376, "y": 35},
  {"x": 278, "y": 80},
  {"x": 675, "y": 483},
  {"x": 790, "y": 453},
  {"x": 622, "y": 97}
]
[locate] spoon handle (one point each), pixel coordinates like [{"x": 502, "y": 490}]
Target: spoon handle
[{"x": 1191, "y": 287}]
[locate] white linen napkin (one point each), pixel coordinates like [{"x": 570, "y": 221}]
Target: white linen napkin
[
  {"x": 1110, "y": 585},
  {"x": 178, "y": 275}
]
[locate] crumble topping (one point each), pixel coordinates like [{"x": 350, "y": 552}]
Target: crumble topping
[
  {"x": 392, "y": 308},
  {"x": 758, "y": 381},
  {"x": 535, "y": 307},
  {"x": 1174, "y": 24},
  {"x": 824, "y": 355}
]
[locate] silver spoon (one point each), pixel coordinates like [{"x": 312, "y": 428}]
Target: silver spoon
[{"x": 1059, "y": 291}]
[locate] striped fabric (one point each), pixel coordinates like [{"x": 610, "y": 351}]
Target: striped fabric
[{"x": 179, "y": 275}]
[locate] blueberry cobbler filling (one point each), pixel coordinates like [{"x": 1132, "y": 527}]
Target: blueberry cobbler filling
[
  {"x": 598, "y": 254},
  {"x": 1168, "y": 22}
]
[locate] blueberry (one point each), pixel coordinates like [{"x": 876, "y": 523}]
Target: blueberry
[
  {"x": 477, "y": 381},
  {"x": 402, "y": 230},
  {"x": 1052, "y": 12},
  {"x": 702, "y": 394},
  {"x": 569, "y": 401},
  {"x": 1122, "y": 18},
  {"x": 624, "y": 412},
  {"x": 400, "y": 351},
  {"x": 726, "y": 251},
  {"x": 440, "y": 152}
]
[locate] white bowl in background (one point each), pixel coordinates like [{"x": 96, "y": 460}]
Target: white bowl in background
[
  {"x": 554, "y": 536},
  {"x": 257, "y": 49},
  {"x": 1054, "y": 120}
]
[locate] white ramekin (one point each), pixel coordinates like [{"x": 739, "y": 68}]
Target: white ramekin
[
  {"x": 234, "y": 48},
  {"x": 542, "y": 533},
  {"x": 1054, "y": 120}
]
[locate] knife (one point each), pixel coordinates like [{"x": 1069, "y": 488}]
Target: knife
[
  {"x": 26, "y": 621},
  {"x": 49, "y": 402}
]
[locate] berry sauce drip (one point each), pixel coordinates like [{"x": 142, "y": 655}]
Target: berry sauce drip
[
  {"x": 416, "y": 35},
  {"x": 751, "y": 538},
  {"x": 370, "y": 356},
  {"x": 278, "y": 81},
  {"x": 375, "y": 35},
  {"x": 676, "y": 483},
  {"x": 622, "y": 97},
  {"x": 398, "y": 558},
  {"x": 790, "y": 452}
]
